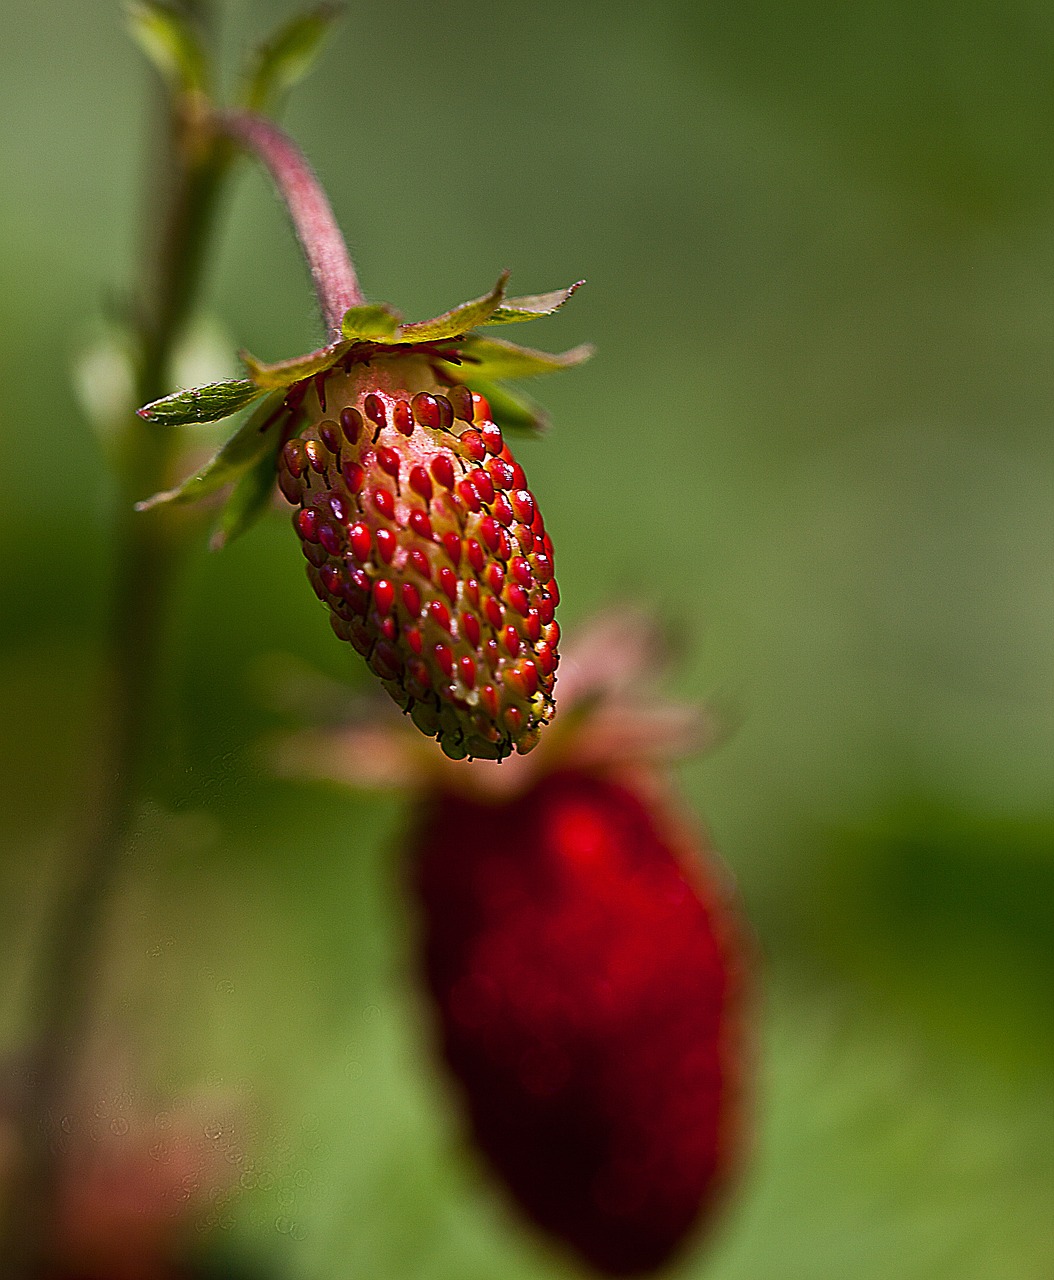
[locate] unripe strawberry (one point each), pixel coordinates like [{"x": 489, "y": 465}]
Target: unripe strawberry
[
  {"x": 585, "y": 963},
  {"x": 429, "y": 550}
]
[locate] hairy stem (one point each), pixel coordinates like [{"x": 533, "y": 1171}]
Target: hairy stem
[
  {"x": 145, "y": 557},
  {"x": 332, "y": 272}
]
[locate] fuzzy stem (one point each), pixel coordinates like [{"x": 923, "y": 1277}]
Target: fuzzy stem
[
  {"x": 336, "y": 285},
  {"x": 146, "y": 555}
]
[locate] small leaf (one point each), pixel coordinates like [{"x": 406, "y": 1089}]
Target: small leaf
[
  {"x": 201, "y": 404},
  {"x": 512, "y": 410},
  {"x": 515, "y": 310},
  {"x": 288, "y": 55},
  {"x": 249, "y": 500},
  {"x": 452, "y": 324},
  {"x": 171, "y": 44},
  {"x": 374, "y": 320},
  {"x": 251, "y": 442},
  {"x": 493, "y": 358},
  {"x": 269, "y": 377}
]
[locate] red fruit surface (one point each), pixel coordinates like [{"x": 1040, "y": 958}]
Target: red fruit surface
[
  {"x": 408, "y": 540},
  {"x": 586, "y": 966}
]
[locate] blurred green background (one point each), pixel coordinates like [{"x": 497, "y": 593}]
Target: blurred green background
[{"x": 819, "y": 240}]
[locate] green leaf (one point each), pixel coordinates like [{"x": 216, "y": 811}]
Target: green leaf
[
  {"x": 512, "y": 410},
  {"x": 493, "y": 358},
  {"x": 371, "y": 322},
  {"x": 288, "y": 55},
  {"x": 516, "y": 310},
  {"x": 452, "y": 324},
  {"x": 250, "y": 443},
  {"x": 201, "y": 404},
  {"x": 269, "y": 377},
  {"x": 171, "y": 44},
  {"x": 249, "y": 500}
]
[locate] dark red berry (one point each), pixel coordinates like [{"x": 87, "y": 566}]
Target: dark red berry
[{"x": 587, "y": 971}]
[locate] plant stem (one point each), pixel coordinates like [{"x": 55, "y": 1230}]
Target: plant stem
[
  {"x": 145, "y": 556},
  {"x": 332, "y": 272}
]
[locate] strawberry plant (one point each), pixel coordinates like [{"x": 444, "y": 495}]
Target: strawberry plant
[
  {"x": 419, "y": 530},
  {"x": 579, "y": 943}
]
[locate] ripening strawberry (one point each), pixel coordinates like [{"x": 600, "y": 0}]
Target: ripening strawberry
[
  {"x": 425, "y": 543},
  {"x": 585, "y": 956},
  {"x": 421, "y": 534}
]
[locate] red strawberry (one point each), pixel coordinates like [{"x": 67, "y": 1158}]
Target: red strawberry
[
  {"x": 585, "y": 968},
  {"x": 419, "y": 529},
  {"x": 584, "y": 954},
  {"x": 427, "y": 546}
]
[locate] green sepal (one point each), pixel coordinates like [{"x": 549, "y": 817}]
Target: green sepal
[
  {"x": 372, "y": 322},
  {"x": 493, "y": 359},
  {"x": 459, "y": 320},
  {"x": 171, "y": 44},
  {"x": 259, "y": 436},
  {"x": 270, "y": 377},
  {"x": 486, "y": 359},
  {"x": 288, "y": 55},
  {"x": 517, "y": 310},
  {"x": 201, "y": 404},
  {"x": 512, "y": 410},
  {"x": 249, "y": 501}
]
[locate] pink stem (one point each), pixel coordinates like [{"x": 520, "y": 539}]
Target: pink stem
[{"x": 336, "y": 285}]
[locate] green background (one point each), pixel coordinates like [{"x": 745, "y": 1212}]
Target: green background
[{"x": 819, "y": 241}]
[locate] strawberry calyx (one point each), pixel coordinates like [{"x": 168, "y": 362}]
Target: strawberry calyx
[{"x": 370, "y": 332}]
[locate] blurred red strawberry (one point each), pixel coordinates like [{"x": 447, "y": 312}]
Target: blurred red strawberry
[
  {"x": 132, "y": 1180},
  {"x": 585, "y": 969}
]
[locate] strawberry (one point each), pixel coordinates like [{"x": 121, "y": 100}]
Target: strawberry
[
  {"x": 584, "y": 955},
  {"x": 425, "y": 543},
  {"x": 420, "y": 532},
  {"x": 579, "y": 951},
  {"x": 135, "y": 1175}
]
